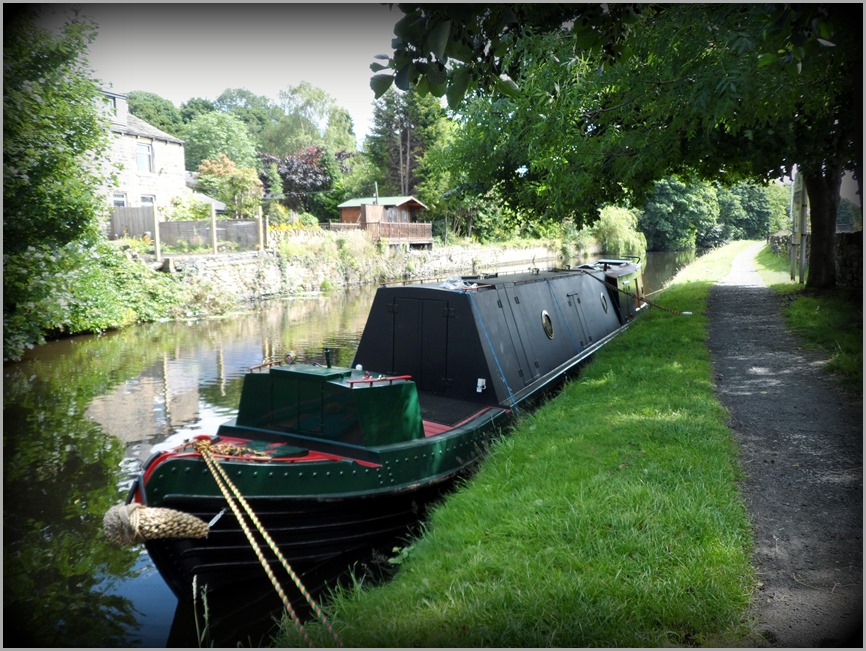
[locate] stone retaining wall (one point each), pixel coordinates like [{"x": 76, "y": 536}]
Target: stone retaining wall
[
  {"x": 250, "y": 276},
  {"x": 849, "y": 255}
]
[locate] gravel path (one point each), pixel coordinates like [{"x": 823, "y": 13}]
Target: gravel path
[{"x": 801, "y": 446}]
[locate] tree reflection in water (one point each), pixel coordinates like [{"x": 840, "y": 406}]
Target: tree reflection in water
[{"x": 74, "y": 413}]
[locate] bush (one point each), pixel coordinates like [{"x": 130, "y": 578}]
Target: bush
[
  {"x": 75, "y": 289},
  {"x": 187, "y": 209},
  {"x": 616, "y": 231}
]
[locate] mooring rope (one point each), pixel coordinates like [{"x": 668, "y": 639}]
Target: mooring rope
[
  {"x": 220, "y": 476},
  {"x": 634, "y": 296}
]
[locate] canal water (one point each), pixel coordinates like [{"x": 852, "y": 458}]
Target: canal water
[{"x": 80, "y": 415}]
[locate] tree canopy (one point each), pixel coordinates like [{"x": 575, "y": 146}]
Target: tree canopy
[
  {"x": 54, "y": 130},
  {"x": 404, "y": 127},
  {"x": 602, "y": 101},
  {"x": 156, "y": 110},
  {"x": 212, "y": 134}
]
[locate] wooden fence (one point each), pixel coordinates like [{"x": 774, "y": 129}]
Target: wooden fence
[
  {"x": 394, "y": 232},
  {"x": 248, "y": 234},
  {"x": 244, "y": 234},
  {"x": 131, "y": 222}
]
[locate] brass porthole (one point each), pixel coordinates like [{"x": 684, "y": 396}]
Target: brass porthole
[
  {"x": 547, "y": 324},
  {"x": 603, "y": 302}
]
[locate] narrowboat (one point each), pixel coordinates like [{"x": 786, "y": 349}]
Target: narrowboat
[{"x": 337, "y": 461}]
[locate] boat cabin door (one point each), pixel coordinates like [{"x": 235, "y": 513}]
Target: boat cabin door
[{"x": 421, "y": 342}]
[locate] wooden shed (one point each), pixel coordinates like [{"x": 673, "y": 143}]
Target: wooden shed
[
  {"x": 391, "y": 219},
  {"x": 370, "y": 210}
]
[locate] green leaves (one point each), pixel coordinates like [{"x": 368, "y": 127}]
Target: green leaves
[
  {"x": 506, "y": 86},
  {"x": 458, "y": 87},
  {"x": 380, "y": 84},
  {"x": 437, "y": 39},
  {"x": 54, "y": 134}
]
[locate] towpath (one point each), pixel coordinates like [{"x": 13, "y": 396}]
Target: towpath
[{"x": 801, "y": 446}]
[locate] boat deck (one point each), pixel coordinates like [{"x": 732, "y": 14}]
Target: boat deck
[{"x": 440, "y": 414}]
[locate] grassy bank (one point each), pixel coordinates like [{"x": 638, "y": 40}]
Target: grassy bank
[
  {"x": 831, "y": 322},
  {"x": 608, "y": 517}
]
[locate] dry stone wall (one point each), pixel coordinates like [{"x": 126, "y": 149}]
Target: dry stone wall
[
  {"x": 255, "y": 275},
  {"x": 849, "y": 255}
]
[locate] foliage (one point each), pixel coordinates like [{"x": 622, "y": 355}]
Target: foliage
[
  {"x": 255, "y": 111},
  {"x": 405, "y": 126},
  {"x": 604, "y": 101},
  {"x": 195, "y": 106},
  {"x": 156, "y": 110},
  {"x": 54, "y": 132},
  {"x": 340, "y": 132},
  {"x": 779, "y": 200},
  {"x": 746, "y": 212},
  {"x": 850, "y": 215},
  {"x": 308, "y": 177},
  {"x": 77, "y": 288},
  {"x": 679, "y": 215},
  {"x": 436, "y": 179},
  {"x": 304, "y": 116},
  {"x": 278, "y": 214},
  {"x": 310, "y": 106},
  {"x": 616, "y": 231},
  {"x": 187, "y": 208},
  {"x": 273, "y": 188},
  {"x": 238, "y": 187},
  {"x": 213, "y": 134}
]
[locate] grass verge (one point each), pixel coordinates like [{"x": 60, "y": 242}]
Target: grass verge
[
  {"x": 829, "y": 321},
  {"x": 608, "y": 517}
]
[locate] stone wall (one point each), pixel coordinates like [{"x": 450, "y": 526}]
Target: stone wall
[
  {"x": 849, "y": 259},
  {"x": 250, "y": 276},
  {"x": 849, "y": 255}
]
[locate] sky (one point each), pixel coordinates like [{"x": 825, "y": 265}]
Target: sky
[{"x": 180, "y": 51}]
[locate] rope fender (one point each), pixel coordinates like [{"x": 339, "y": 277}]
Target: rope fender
[{"x": 131, "y": 524}]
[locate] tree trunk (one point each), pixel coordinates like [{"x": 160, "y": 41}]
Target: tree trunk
[
  {"x": 408, "y": 154},
  {"x": 822, "y": 186}
]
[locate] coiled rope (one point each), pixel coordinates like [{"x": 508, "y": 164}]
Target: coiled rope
[{"x": 204, "y": 448}]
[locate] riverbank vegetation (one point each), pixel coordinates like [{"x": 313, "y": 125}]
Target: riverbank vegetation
[{"x": 830, "y": 321}]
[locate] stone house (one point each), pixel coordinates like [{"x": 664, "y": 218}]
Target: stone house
[{"x": 148, "y": 163}]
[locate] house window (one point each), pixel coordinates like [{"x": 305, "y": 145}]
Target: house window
[
  {"x": 144, "y": 156},
  {"x": 148, "y": 200},
  {"x": 118, "y": 200}
]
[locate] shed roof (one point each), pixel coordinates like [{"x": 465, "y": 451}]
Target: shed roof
[
  {"x": 218, "y": 205},
  {"x": 382, "y": 201}
]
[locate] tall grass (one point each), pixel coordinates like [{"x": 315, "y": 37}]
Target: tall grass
[{"x": 608, "y": 517}]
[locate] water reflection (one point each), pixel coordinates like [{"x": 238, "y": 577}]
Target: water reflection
[
  {"x": 79, "y": 416},
  {"x": 660, "y": 267}
]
